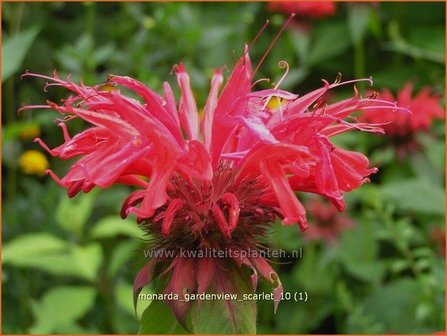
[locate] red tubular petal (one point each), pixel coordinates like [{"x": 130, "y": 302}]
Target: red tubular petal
[
  {"x": 211, "y": 103},
  {"x": 291, "y": 208},
  {"x": 155, "y": 194},
  {"x": 196, "y": 161},
  {"x": 131, "y": 200},
  {"x": 153, "y": 101},
  {"x": 173, "y": 207},
  {"x": 132, "y": 180},
  {"x": 189, "y": 116},
  {"x": 221, "y": 221},
  {"x": 301, "y": 104},
  {"x": 232, "y": 103},
  {"x": 171, "y": 106},
  {"x": 234, "y": 209},
  {"x": 351, "y": 168},
  {"x": 258, "y": 129},
  {"x": 120, "y": 159},
  {"x": 325, "y": 179}
]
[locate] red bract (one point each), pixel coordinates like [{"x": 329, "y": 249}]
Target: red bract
[
  {"x": 424, "y": 107},
  {"x": 310, "y": 9},
  {"x": 215, "y": 182}
]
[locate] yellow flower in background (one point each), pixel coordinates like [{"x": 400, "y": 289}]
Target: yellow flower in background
[
  {"x": 33, "y": 162},
  {"x": 30, "y": 132}
]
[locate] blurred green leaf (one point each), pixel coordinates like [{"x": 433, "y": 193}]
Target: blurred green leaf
[
  {"x": 435, "y": 152},
  {"x": 112, "y": 226},
  {"x": 121, "y": 254},
  {"x": 358, "y": 18},
  {"x": 300, "y": 39},
  {"x": 87, "y": 259},
  {"x": 311, "y": 273},
  {"x": 400, "y": 45},
  {"x": 358, "y": 250},
  {"x": 72, "y": 213},
  {"x": 329, "y": 40},
  {"x": 14, "y": 50},
  {"x": 394, "y": 304},
  {"x": 50, "y": 254},
  {"x": 31, "y": 245},
  {"x": 416, "y": 195},
  {"x": 61, "y": 306}
]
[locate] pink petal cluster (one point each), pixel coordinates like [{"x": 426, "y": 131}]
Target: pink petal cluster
[{"x": 424, "y": 106}]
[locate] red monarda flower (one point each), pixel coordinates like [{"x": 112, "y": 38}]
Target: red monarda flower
[
  {"x": 424, "y": 107},
  {"x": 326, "y": 223},
  {"x": 402, "y": 125},
  {"x": 309, "y": 9},
  {"x": 213, "y": 182}
]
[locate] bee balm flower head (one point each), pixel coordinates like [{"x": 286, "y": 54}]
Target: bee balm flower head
[{"x": 212, "y": 182}]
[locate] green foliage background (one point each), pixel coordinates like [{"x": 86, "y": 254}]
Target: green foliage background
[{"x": 68, "y": 265}]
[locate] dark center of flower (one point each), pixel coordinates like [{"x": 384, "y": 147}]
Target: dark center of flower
[{"x": 217, "y": 214}]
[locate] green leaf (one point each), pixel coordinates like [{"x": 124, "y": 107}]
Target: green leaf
[
  {"x": 226, "y": 317},
  {"x": 329, "y": 41},
  {"x": 158, "y": 319},
  {"x": 53, "y": 255},
  {"x": 394, "y": 305},
  {"x": 31, "y": 245},
  {"x": 300, "y": 39},
  {"x": 87, "y": 259},
  {"x": 61, "y": 306},
  {"x": 60, "y": 264},
  {"x": 14, "y": 51},
  {"x": 358, "y": 250},
  {"x": 113, "y": 226},
  {"x": 358, "y": 18},
  {"x": 416, "y": 195},
  {"x": 72, "y": 213},
  {"x": 121, "y": 254}
]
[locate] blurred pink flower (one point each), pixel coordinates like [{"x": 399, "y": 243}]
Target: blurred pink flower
[
  {"x": 326, "y": 223},
  {"x": 402, "y": 125},
  {"x": 304, "y": 9},
  {"x": 424, "y": 107},
  {"x": 212, "y": 182}
]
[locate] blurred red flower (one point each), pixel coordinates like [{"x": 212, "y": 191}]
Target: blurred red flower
[
  {"x": 424, "y": 107},
  {"x": 437, "y": 235},
  {"x": 326, "y": 222},
  {"x": 309, "y": 9}
]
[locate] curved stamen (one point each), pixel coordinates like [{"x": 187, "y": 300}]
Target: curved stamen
[
  {"x": 283, "y": 65},
  {"x": 337, "y": 84},
  {"x": 259, "y": 81}
]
